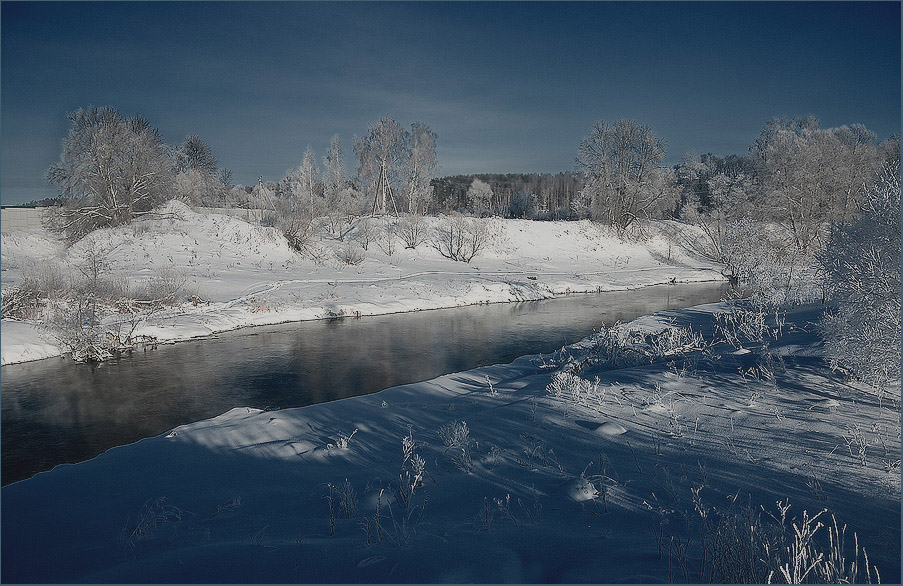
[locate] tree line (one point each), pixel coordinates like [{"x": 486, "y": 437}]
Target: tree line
[{"x": 795, "y": 174}]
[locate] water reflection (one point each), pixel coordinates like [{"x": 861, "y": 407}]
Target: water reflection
[{"x": 56, "y": 411}]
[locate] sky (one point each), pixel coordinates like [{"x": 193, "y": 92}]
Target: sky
[{"x": 508, "y": 87}]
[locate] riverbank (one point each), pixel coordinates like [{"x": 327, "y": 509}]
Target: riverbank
[
  {"x": 233, "y": 274},
  {"x": 616, "y": 459}
]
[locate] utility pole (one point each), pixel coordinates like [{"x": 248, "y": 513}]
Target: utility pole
[{"x": 383, "y": 192}]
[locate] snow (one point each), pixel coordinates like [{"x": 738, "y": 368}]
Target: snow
[
  {"x": 550, "y": 489},
  {"x": 25, "y": 341},
  {"x": 237, "y": 274}
]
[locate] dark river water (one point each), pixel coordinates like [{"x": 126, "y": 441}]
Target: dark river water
[{"x": 56, "y": 411}]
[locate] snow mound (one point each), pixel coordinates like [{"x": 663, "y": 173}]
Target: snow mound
[{"x": 611, "y": 429}]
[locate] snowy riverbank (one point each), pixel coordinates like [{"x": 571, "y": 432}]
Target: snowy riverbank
[
  {"x": 554, "y": 478},
  {"x": 238, "y": 275}
]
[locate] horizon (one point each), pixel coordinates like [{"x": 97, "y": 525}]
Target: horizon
[{"x": 508, "y": 87}]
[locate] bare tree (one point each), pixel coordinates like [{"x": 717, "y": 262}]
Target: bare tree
[
  {"x": 111, "y": 170},
  {"x": 619, "y": 162},
  {"x": 225, "y": 177},
  {"x": 412, "y": 229},
  {"x": 338, "y": 195},
  {"x": 333, "y": 170}
]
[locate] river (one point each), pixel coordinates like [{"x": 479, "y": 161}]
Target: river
[{"x": 56, "y": 411}]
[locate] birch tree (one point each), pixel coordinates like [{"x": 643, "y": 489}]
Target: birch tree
[
  {"x": 423, "y": 166},
  {"x": 338, "y": 195},
  {"x": 303, "y": 186}
]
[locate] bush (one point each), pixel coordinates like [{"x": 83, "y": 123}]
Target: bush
[
  {"x": 412, "y": 230},
  {"x": 297, "y": 225},
  {"x": 24, "y": 301},
  {"x": 350, "y": 254},
  {"x": 366, "y": 232},
  {"x": 460, "y": 238},
  {"x": 744, "y": 546}
]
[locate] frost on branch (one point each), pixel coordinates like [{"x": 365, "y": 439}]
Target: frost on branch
[{"x": 861, "y": 264}]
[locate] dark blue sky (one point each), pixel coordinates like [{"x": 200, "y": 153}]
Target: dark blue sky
[{"x": 508, "y": 87}]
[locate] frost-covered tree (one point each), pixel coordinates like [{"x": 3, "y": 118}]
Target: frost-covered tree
[
  {"x": 198, "y": 181},
  {"x": 111, "y": 170},
  {"x": 619, "y": 162},
  {"x": 726, "y": 201},
  {"x": 225, "y": 177},
  {"x": 479, "y": 197},
  {"x": 382, "y": 161},
  {"x": 522, "y": 205},
  {"x": 302, "y": 185},
  {"x": 855, "y": 159},
  {"x": 861, "y": 263},
  {"x": 810, "y": 177},
  {"x": 195, "y": 154},
  {"x": 340, "y": 199},
  {"x": 423, "y": 167},
  {"x": 334, "y": 168}
]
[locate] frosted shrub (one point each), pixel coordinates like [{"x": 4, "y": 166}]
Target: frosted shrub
[
  {"x": 456, "y": 437},
  {"x": 366, "y": 233},
  {"x": 744, "y": 546},
  {"x": 162, "y": 289},
  {"x": 746, "y": 323},
  {"x": 622, "y": 347},
  {"x": 77, "y": 329},
  {"x": 570, "y": 387},
  {"x": 574, "y": 390},
  {"x": 297, "y": 225},
  {"x": 42, "y": 282},
  {"x": 347, "y": 499},
  {"x": 861, "y": 264},
  {"x": 24, "y": 301},
  {"x": 770, "y": 270},
  {"x": 386, "y": 237},
  {"x": 803, "y": 558},
  {"x": 350, "y": 254},
  {"x": 460, "y": 238},
  {"x": 412, "y": 230},
  {"x": 342, "y": 442},
  {"x": 156, "y": 519},
  {"x": 455, "y": 434}
]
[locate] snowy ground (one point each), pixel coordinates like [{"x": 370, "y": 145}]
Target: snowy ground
[
  {"x": 246, "y": 275},
  {"x": 597, "y": 481}
]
